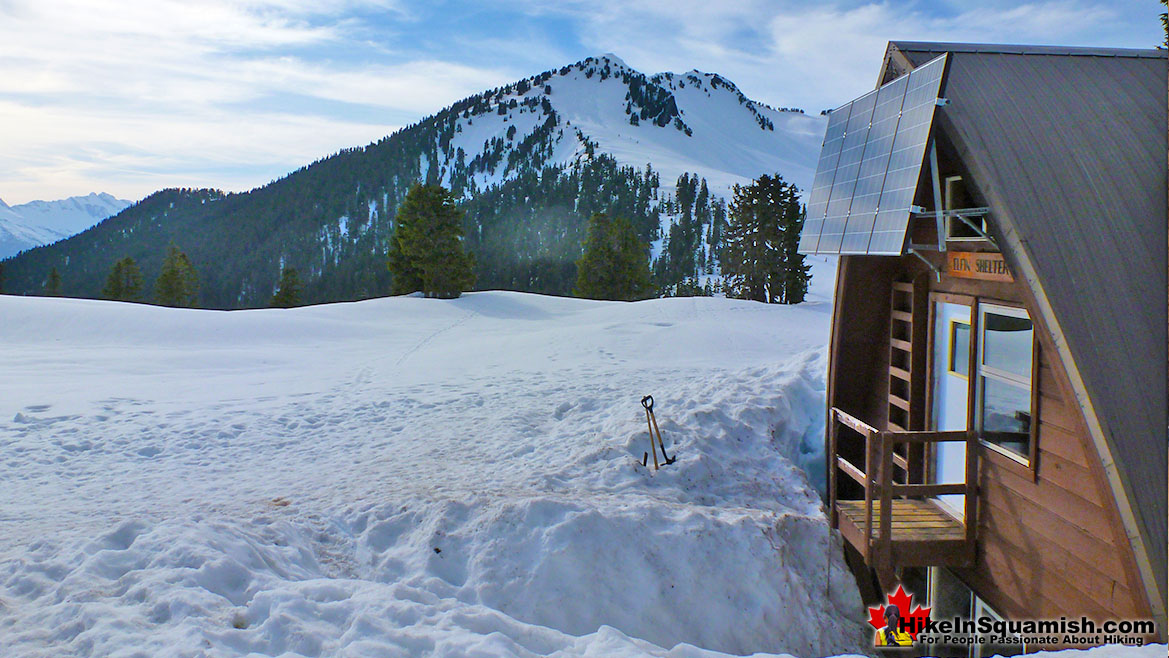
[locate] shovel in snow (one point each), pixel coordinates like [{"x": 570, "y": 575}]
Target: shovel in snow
[{"x": 651, "y": 423}]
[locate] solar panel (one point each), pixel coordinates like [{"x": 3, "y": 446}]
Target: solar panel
[
  {"x": 871, "y": 177},
  {"x": 869, "y": 166},
  {"x": 822, "y": 183},
  {"x": 851, "y": 152}
]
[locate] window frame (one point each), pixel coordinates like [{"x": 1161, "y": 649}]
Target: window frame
[
  {"x": 950, "y": 347},
  {"x": 980, "y": 608},
  {"x": 1000, "y": 308}
]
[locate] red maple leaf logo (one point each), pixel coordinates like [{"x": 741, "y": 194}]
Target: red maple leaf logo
[{"x": 912, "y": 622}]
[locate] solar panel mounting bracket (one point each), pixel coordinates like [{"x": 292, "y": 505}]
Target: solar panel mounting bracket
[
  {"x": 933, "y": 268},
  {"x": 974, "y": 212},
  {"x": 963, "y": 215},
  {"x": 939, "y": 217}
]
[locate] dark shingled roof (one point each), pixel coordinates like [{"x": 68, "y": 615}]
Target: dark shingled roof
[{"x": 1069, "y": 147}]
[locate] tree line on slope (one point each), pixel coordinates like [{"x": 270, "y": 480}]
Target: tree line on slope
[
  {"x": 760, "y": 253},
  {"x": 526, "y": 233},
  {"x": 332, "y": 220},
  {"x": 177, "y": 283},
  {"x": 549, "y": 249}
]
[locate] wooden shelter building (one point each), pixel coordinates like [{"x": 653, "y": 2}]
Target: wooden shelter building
[{"x": 997, "y": 424}]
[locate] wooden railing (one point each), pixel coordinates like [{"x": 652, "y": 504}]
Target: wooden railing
[{"x": 879, "y": 482}]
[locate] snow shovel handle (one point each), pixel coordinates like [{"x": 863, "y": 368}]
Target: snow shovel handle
[{"x": 648, "y": 402}]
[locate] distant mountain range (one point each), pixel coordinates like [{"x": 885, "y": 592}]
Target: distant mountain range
[
  {"x": 42, "y": 222},
  {"x": 530, "y": 161}
]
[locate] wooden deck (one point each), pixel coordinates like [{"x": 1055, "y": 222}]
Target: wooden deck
[
  {"x": 913, "y": 520},
  {"x": 922, "y": 534}
]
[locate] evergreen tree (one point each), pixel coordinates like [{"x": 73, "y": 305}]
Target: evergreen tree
[
  {"x": 288, "y": 292},
  {"x": 53, "y": 284},
  {"x": 124, "y": 282},
  {"x": 795, "y": 275},
  {"x": 177, "y": 284},
  {"x": 1165, "y": 25},
  {"x": 615, "y": 264},
  {"x": 684, "y": 251},
  {"x": 1, "y": 278},
  {"x": 426, "y": 250},
  {"x": 760, "y": 259}
]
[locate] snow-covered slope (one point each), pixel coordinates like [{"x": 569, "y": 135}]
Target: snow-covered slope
[
  {"x": 531, "y": 161},
  {"x": 407, "y": 476},
  {"x": 707, "y": 126},
  {"x": 40, "y": 222}
]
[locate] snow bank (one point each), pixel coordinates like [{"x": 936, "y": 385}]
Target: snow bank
[
  {"x": 1110, "y": 651},
  {"x": 409, "y": 476}
]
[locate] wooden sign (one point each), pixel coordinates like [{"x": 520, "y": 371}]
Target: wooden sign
[{"x": 975, "y": 265}]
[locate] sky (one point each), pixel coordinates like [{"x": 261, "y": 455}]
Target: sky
[{"x": 132, "y": 96}]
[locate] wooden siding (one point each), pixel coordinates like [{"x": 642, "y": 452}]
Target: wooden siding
[{"x": 1050, "y": 541}]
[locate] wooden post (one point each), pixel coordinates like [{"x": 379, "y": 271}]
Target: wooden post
[
  {"x": 970, "y": 504},
  {"x": 868, "y": 496},
  {"x": 886, "y": 478},
  {"x": 833, "y": 428},
  {"x": 915, "y": 453}
]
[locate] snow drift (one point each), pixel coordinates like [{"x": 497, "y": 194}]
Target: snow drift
[{"x": 403, "y": 476}]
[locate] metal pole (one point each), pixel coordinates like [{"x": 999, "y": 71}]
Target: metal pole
[{"x": 939, "y": 213}]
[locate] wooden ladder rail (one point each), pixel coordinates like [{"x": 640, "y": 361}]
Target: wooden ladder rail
[
  {"x": 901, "y": 357},
  {"x": 864, "y": 478}
]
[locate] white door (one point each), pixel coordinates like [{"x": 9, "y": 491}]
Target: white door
[{"x": 951, "y": 376}]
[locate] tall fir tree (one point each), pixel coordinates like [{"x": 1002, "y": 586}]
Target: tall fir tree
[
  {"x": 760, "y": 260},
  {"x": 1165, "y": 25},
  {"x": 124, "y": 282},
  {"x": 615, "y": 263},
  {"x": 426, "y": 249},
  {"x": 288, "y": 291},
  {"x": 795, "y": 273},
  {"x": 177, "y": 283},
  {"x": 53, "y": 283}
]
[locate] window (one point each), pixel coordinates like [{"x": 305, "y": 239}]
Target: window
[
  {"x": 959, "y": 348},
  {"x": 949, "y": 597},
  {"x": 981, "y": 610},
  {"x": 1003, "y": 389}
]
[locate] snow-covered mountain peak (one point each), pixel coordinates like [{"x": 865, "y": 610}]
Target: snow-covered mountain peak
[
  {"x": 615, "y": 60},
  {"x": 35, "y": 223},
  {"x": 692, "y": 122}
]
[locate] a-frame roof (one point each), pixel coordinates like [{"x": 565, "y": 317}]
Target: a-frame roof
[{"x": 1068, "y": 147}]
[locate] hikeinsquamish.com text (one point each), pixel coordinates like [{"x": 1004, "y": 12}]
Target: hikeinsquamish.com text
[{"x": 1062, "y": 631}]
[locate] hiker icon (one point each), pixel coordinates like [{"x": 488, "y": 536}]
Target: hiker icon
[{"x": 892, "y": 635}]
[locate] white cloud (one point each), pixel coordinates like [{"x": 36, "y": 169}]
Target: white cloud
[
  {"x": 128, "y": 96},
  {"x": 192, "y": 87},
  {"x": 821, "y": 54},
  {"x": 132, "y": 154}
]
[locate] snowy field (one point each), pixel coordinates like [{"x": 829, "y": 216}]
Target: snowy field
[{"x": 405, "y": 476}]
